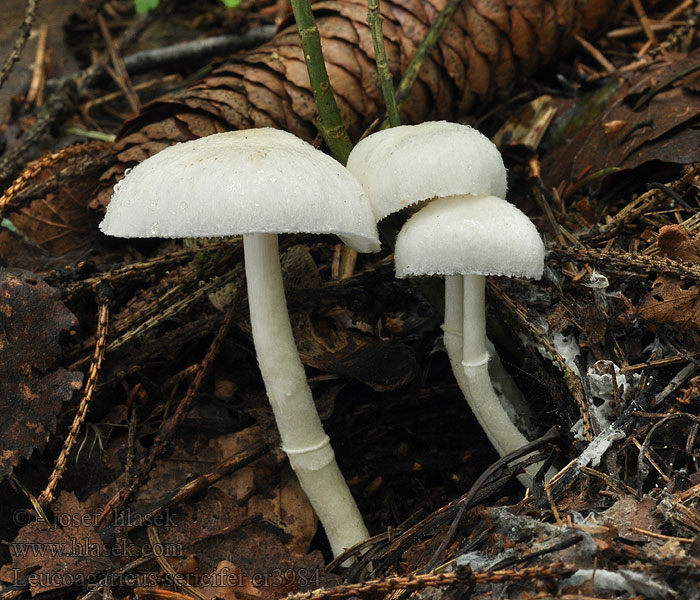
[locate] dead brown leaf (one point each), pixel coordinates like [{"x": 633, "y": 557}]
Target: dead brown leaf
[
  {"x": 67, "y": 552},
  {"x": 48, "y": 207},
  {"x": 327, "y": 346},
  {"x": 628, "y": 513},
  {"x": 672, "y": 301},
  {"x": 32, "y": 389},
  {"x": 258, "y": 505},
  {"x": 270, "y": 581},
  {"x": 271, "y": 529},
  {"x": 664, "y": 128}
]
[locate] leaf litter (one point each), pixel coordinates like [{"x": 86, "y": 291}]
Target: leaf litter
[
  {"x": 622, "y": 515},
  {"x": 34, "y": 386}
]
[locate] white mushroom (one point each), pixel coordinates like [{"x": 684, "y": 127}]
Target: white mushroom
[
  {"x": 404, "y": 165},
  {"x": 258, "y": 183},
  {"x": 465, "y": 239},
  {"x": 455, "y": 163}
]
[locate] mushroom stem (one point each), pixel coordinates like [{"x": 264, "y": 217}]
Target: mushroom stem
[
  {"x": 453, "y": 328},
  {"x": 303, "y": 437},
  {"x": 465, "y": 341},
  {"x": 474, "y": 353}
]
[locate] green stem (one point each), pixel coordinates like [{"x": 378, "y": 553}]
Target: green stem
[
  {"x": 375, "y": 20},
  {"x": 330, "y": 122},
  {"x": 389, "y": 227},
  {"x": 425, "y": 48}
]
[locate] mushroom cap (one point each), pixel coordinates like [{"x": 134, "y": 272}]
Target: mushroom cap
[
  {"x": 250, "y": 181},
  {"x": 410, "y": 163},
  {"x": 469, "y": 235}
]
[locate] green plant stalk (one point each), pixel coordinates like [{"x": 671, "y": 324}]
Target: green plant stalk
[
  {"x": 330, "y": 123},
  {"x": 389, "y": 227},
  {"x": 425, "y": 48},
  {"x": 91, "y": 135},
  {"x": 375, "y": 20}
]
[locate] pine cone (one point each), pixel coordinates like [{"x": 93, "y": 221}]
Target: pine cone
[{"x": 488, "y": 46}]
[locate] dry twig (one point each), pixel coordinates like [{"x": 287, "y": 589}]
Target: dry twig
[
  {"x": 118, "y": 71},
  {"x": 628, "y": 262},
  {"x": 22, "y": 37},
  {"x": 419, "y": 582},
  {"x": 35, "y": 95},
  {"x": 103, "y": 300}
]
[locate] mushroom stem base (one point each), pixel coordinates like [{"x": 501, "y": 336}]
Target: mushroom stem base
[
  {"x": 303, "y": 437},
  {"x": 465, "y": 342}
]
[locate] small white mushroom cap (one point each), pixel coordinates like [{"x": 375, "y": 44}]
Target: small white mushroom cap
[
  {"x": 250, "y": 181},
  {"x": 407, "y": 164},
  {"x": 469, "y": 235}
]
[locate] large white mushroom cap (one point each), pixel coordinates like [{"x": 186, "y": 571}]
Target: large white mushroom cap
[
  {"x": 407, "y": 164},
  {"x": 250, "y": 181},
  {"x": 469, "y": 236}
]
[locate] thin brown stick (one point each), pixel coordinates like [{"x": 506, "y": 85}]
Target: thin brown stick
[
  {"x": 678, "y": 10},
  {"x": 644, "y": 22},
  {"x": 167, "y": 80},
  {"x": 628, "y": 68},
  {"x": 49, "y": 493},
  {"x": 628, "y": 262},
  {"x": 348, "y": 260},
  {"x": 652, "y": 462},
  {"x": 418, "y": 582},
  {"x": 35, "y": 95},
  {"x": 164, "y": 564},
  {"x": 661, "y": 362},
  {"x": 620, "y": 487},
  {"x": 661, "y": 25},
  {"x": 552, "y": 504},
  {"x": 595, "y": 53},
  {"x": 689, "y": 494},
  {"x": 632, "y": 30},
  {"x": 661, "y": 536},
  {"x": 22, "y": 37},
  {"x": 121, "y": 76}
]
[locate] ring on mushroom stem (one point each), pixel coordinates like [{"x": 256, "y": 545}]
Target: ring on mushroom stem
[
  {"x": 258, "y": 183},
  {"x": 463, "y": 169},
  {"x": 479, "y": 236}
]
